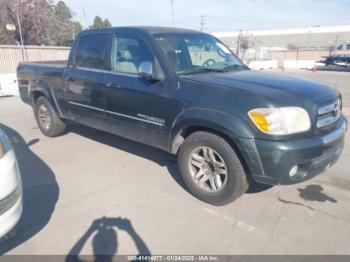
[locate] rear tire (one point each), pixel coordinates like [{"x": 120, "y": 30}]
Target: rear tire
[
  {"x": 211, "y": 169},
  {"x": 46, "y": 117}
]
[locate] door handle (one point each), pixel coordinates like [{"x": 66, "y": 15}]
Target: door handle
[
  {"x": 113, "y": 85},
  {"x": 69, "y": 78}
]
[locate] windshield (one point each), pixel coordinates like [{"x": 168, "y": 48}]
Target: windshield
[{"x": 197, "y": 53}]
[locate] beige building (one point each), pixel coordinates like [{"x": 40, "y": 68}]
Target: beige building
[{"x": 321, "y": 39}]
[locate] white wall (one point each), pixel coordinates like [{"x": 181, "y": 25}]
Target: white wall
[{"x": 8, "y": 85}]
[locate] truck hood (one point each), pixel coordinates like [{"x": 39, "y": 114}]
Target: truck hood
[{"x": 268, "y": 84}]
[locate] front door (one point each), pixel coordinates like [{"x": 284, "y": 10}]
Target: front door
[{"x": 136, "y": 108}]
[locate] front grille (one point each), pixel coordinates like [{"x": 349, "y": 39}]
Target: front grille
[{"x": 328, "y": 114}]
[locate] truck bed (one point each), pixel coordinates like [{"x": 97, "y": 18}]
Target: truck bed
[
  {"x": 57, "y": 63},
  {"x": 28, "y": 73}
]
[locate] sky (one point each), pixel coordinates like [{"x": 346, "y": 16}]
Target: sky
[{"x": 219, "y": 15}]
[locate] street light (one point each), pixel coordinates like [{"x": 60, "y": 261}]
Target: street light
[
  {"x": 20, "y": 35},
  {"x": 11, "y": 27}
]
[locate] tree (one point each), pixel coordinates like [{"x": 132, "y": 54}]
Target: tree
[
  {"x": 63, "y": 12},
  {"x": 107, "y": 23},
  {"x": 99, "y": 23},
  {"x": 6, "y": 37},
  {"x": 42, "y": 22},
  {"x": 246, "y": 42}
]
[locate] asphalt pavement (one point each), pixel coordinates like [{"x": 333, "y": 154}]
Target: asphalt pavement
[{"x": 89, "y": 192}]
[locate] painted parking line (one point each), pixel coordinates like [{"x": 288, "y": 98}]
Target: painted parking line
[{"x": 238, "y": 223}]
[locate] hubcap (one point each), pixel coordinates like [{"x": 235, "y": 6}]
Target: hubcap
[
  {"x": 44, "y": 116},
  {"x": 208, "y": 169}
]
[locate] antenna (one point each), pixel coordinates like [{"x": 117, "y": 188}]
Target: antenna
[
  {"x": 84, "y": 19},
  {"x": 202, "y": 22},
  {"x": 172, "y": 12}
]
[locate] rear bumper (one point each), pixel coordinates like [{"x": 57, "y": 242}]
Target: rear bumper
[
  {"x": 24, "y": 93},
  {"x": 272, "y": 161}
]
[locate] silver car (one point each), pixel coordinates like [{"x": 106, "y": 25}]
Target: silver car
[{"x": 10, "y": 187}]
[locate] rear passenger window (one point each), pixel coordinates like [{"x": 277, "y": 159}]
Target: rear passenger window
[{"x": 91, "y": 51}]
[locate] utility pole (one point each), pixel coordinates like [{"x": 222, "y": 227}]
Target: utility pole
[
  {"x": 172, "y": 12},
  {"x": 336, "y": 45},
  {"x": 20, "y": 35},
  {"x": 202, "y": 22}
]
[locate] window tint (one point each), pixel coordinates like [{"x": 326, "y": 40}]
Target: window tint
[
  {"x": 128, "y": 53},
  {"x": 91, "y": 51}
]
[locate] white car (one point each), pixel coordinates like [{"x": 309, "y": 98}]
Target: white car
[{"x": 10, "y": 187}]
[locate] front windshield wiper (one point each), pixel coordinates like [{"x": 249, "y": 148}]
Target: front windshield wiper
[
  {"x": 235, "y": 67},
  {"x": 200, "y": 70},
  {"x": 226, "y": 68}
]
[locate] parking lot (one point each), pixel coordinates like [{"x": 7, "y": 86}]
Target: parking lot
[{"x": 89, "y": 192}]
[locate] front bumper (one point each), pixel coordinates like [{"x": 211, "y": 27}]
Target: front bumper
[
  {"x": 10, "y": 193},
  {"x": 271, "y": 161}
]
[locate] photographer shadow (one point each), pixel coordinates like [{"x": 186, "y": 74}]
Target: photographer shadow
[{"x": 105, "y": 239}]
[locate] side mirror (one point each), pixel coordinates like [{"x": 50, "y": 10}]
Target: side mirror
[{"x": 146, "y": 70}]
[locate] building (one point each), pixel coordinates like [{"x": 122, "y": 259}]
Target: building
[{"x": 263, "y": 42}]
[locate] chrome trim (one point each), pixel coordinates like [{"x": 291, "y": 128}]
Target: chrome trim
[
  {"x": 329, "y": 114},
  {"x": 327, "y": 121},
  {"x": 117, "y": 114},
  {"x": 108, "y": 72},
  {"x": 334, "y": 135},
  {"x": 329, "y": 108},
  {"x": 82, "y": 105}
]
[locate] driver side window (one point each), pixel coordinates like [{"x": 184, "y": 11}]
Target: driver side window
[
  {"x": 128, "y": 53},
  {"x": 203, "y": 53}
]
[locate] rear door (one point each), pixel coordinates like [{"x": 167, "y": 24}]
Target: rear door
[
  {"x": 84, "y": 80},
  {"x": 136, "y": 108}
]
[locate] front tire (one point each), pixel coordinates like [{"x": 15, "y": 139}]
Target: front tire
[
  {"x": 211, "y": 169},
  {"x": 46, "y": 117}
]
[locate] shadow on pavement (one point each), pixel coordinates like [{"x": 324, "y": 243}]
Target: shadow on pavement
[
  {"x": 156, "y": 155},
  {"x": 315, "y": 193},
  {"x": 40, "y": 191},
  {"x": 105, "y": 239}
]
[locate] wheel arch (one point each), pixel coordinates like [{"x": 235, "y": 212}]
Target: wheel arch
[
  {"x": 44, "y": 90},
  {"x": 230, "y": 128}
]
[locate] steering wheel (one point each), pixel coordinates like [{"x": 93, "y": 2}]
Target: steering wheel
[{"x": 209, "y": 62}]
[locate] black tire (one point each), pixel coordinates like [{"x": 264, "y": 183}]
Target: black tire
[
  {"x": 56, "y": 127},
  {"x": 237, "y": 181}
]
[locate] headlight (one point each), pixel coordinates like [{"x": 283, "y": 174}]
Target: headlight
[
  {"x": 280, "y": 121},
  {"x": 2, "y": 150},
  {"x": 5, "y": 144}
]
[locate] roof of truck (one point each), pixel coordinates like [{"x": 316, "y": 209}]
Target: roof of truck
[{"x": 147, "y": 29}]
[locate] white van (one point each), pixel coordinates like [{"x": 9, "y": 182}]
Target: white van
[{"x": 10, "y": 187}]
